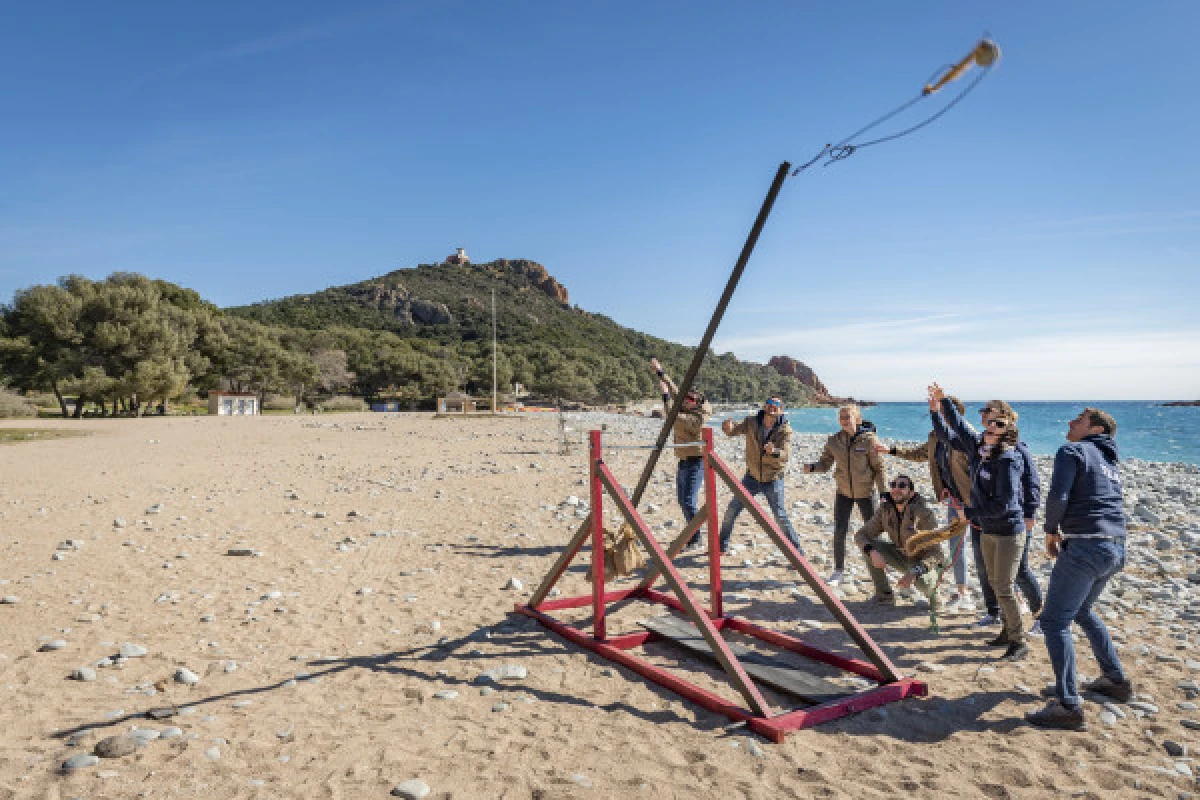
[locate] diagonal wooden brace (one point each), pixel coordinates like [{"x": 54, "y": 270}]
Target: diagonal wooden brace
[
  {"x": 675, "y": 547},
  {"x": 737, "y": 675},
  {"x": 851, "y": 626}
]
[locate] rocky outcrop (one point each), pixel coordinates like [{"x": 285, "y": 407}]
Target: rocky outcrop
[
  {"x": 423, "y": 312},
  {"x": 399, "y": 301},
  {"x": 786, "y": 365},
  {"x": 378, "y": 295},
  {"x": 537, "y": 275}
]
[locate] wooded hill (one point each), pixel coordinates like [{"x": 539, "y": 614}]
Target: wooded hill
[{"x": 553, "y": 349}]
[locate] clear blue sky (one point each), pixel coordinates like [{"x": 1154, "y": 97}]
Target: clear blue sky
[{"x": 1042, "y": 241}]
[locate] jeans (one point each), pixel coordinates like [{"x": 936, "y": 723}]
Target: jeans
[
  {"x": 842, "y": 508},
  {"x": 688, "y": 481},
  {"x": 1002, "y": 554},
  {"x": 957, "y": 552},
  {"x": 773, "y": 491},
  {"x": 1026, "y": 580},
  {"x": 1080, "y": 574},
  {"x": 926, "y": 584}
]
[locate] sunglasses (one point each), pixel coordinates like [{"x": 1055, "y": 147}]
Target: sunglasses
[
  {"x": 900, "y": 485},
  {"x": 773, "y": 404},
  {"x": 999, "y": 423}
]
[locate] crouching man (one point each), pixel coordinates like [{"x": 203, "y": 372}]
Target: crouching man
[{"x": 900, "y": 514}]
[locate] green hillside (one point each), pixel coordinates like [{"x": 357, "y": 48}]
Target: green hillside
[{"x": 436, "y": 321}]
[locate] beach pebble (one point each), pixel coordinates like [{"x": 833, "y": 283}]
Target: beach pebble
[
  {"x": 1144, "y": 707},
  {"x": 755, "y": 749},
  {"x": 1175, "y": 749},
  {"x": 411, "y": 790},
  {"x": 241, "y": 551},
  {"x": 166, "y": 712},
  {"x": 445, "y": 694},
  {"x": 53, "y": 644},
  {"x": 9, "y": 600},
  {"x": 501, "y": 707},
  {"x": 505, "y": 672},
  {"x": 170, "y": 733},
  {"x": 79, "y": 762},
  {"x": 365, "y": 590},
  {"x": 514, "y": 584},
  {"x": 131, "y": 650},
  {"x": 1190, "y": 724},
  {"x": 145, "y": 735},
  {"x": 213, "y": 753},
  {"x": 119, "y": 522},
  {"x": 85, "y": 674},
  {"x": 186, "y": 677},
  {"x": 115, "y": 746},
  {"x": 1108, "y": 718}
]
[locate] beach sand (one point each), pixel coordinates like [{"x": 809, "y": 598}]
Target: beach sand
[{"x": 384, "y": 545}]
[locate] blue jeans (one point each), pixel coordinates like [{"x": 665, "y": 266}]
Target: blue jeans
[
  {"x": 1080, "y": 574},
  {"x": 1026, "y": 580},
  {"x": 688, "y": 481},
  {"x": 773, "y": 491},
  {"x": 957, "y": 552}
]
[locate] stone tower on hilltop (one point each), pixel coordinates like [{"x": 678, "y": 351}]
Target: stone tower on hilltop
[{"x": 459, "y": 257}]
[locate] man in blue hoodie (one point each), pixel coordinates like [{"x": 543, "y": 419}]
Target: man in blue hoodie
[{"x": 1085, "y": 532}]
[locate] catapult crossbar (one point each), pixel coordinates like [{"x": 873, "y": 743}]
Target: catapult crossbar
[{"x": 709, "y": 621}]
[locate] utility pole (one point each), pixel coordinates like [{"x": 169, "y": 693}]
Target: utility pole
[{"x": 493, "y": 351}]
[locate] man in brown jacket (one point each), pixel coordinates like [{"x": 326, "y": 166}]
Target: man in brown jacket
[
  {"x": 950, "y": 470},
  {"x": 857, "y": 471},
  {"x": 768, "y": 441},
  {"x": 902, "y": 512},
  {"x": 689, "y": 427}
]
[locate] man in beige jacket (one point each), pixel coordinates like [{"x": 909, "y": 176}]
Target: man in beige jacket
[
  {"x": 768, "y": 442},
  {"x": 689, "y": 427}
]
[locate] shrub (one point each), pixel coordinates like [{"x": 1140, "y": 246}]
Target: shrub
[
  {"x": 279, "y": 402},
  {"x": 344, "y": 403},
  {"x": 14, "y": 405}
]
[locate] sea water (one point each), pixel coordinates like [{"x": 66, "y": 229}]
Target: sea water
[{"x": 1146, "y": 430}]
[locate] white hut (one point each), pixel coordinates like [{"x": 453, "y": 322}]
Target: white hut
[{"x": 232, "y": 403}]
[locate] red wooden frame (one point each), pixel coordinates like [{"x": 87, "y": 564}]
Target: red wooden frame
[{"x": 759, "y": 716}]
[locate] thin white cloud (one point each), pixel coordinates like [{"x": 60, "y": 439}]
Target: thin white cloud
[{"x": 988, "y": 356}]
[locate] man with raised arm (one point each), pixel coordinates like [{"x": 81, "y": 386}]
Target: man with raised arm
[{"x": 689, "y": 427}]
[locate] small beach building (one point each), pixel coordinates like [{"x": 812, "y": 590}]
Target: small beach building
[
  {"x": 227, "y": 404},
  {"x": 456, "y": 402}
]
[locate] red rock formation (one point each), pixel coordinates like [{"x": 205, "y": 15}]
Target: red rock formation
[
  {"x": 537, "y": 275},
  {"x": 786, "y": 365}
]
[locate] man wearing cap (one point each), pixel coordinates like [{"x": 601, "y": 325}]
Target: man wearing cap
[
  {"x": 902, "y": 512},
  {"x": 768, "y": 440},
  {"x": 1085, "y": 532},
  {"x": 689, "y": 426}
]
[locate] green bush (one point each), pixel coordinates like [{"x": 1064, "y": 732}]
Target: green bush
[
  {"x": 344, "y": 403},
  {"x": 279, "y": 402},
  {"x": 15, "y": 405}
]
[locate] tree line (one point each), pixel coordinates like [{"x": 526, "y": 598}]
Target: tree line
[{"x": 128, "y": 342}]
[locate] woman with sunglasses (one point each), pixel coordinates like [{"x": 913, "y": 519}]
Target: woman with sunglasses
[
  {"x": 858, "y": 473},
  {"x": 996, "y": 468}
]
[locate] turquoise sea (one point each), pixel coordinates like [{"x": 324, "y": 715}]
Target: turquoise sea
[{"x": 1145, "y": 430}]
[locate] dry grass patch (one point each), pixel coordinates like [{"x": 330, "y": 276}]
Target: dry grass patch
[{"x": 16, "y": 435}]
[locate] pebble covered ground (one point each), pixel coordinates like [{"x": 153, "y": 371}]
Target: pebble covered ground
[{"x": 322, "y": 607}]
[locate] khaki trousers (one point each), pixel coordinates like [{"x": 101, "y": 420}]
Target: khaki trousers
[{"x": 1002, "y": 558}]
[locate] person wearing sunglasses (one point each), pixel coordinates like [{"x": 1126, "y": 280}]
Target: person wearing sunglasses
[
  {"x": 1085, "y": 534},
  {"x": 902, "y": 512},
  {"x": 768, "y": 442},
  {"x": 996, "y": 468},
  {"x": 689, "y": 426},
  {"x": 858, "y": 472}
]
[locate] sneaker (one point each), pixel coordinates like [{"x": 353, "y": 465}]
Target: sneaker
[
  {"x": 988, "y": 620},
  {"x": 835, "y": 578},
  {"x": 1121, "y": 692},
  {"x": 1056, "y": 715},
  {"x": 1017, "y": 651},
  {"x": 1036, "y": 630}
]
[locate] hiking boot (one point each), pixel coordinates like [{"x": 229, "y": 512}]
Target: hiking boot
[
  {"x": 1121, "y": 692},
  {"x": 1017, "y": 651},
  {"x": 1056, "y": 715},
  {"x": 888, "y": 599},
  {"x": 1000, "y": 641}
]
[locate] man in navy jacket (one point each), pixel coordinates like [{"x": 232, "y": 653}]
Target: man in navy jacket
[{"x": 1085, "y": 531}]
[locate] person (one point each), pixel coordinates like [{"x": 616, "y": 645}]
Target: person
[
  {"x": 859, "y": 472},
  {"x": 901, "y": 513},
  {"x": 768, "y": 442},
  {"x": 950, "y": 470},
  {"x": 1031, "y": 498},
  {"x": 689, "y": 424},
  {"x": 1085, "y": 533},
  {"x": 996, "y": 468}
]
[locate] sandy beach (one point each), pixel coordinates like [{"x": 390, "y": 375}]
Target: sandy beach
[{"x": 344, "y": 653}]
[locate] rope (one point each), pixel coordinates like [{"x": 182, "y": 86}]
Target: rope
[
  {"x": 846, "y": 148},
  {"x": 949, "y": 500}
]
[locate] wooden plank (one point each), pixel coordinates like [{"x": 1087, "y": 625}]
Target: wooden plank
[{"x": 786, "y": 678}]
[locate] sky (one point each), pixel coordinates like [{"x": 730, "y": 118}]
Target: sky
[{"x": 1040, "y": 241}]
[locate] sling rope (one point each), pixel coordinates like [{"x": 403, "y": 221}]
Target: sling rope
[
  {"x": 984, "y": 55},
  {"x": 953, "y": 503}
]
